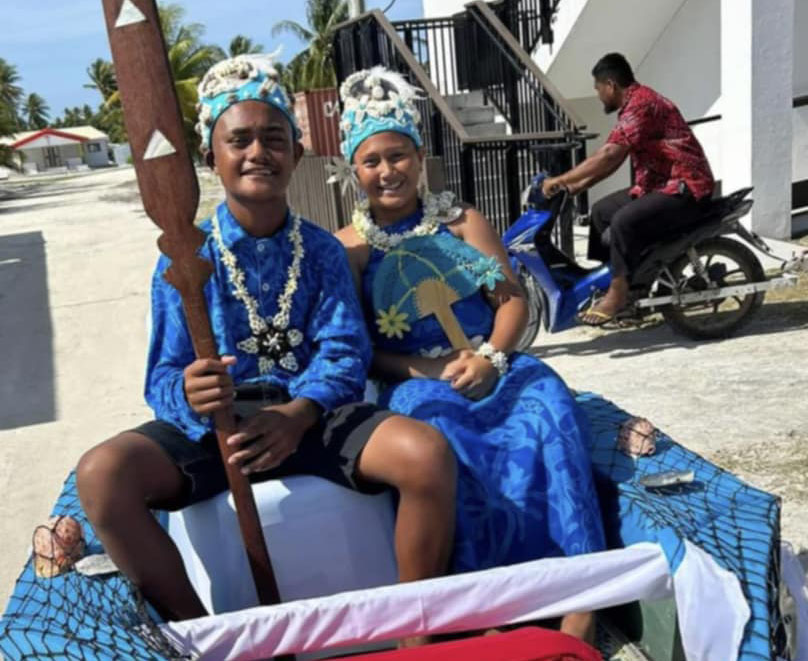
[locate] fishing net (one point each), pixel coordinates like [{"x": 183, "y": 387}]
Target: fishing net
[
  {"x": 74, "y": 616},
  {"x": 738, "y": 525}
]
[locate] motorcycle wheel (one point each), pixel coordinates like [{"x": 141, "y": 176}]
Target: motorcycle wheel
[
  {"x": 728, "y": 263},
  {"x": 534, "y": 307}
]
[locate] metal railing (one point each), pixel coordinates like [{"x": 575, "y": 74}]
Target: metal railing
[
  {"x": 512, "y": 80},
  {"x": 487, "y": 171},
  {"x": 476, "y": 51},
  {"x": 530, "y": 21}
]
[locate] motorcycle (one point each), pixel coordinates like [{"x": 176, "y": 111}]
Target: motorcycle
[{"x": 705, "y": 284}]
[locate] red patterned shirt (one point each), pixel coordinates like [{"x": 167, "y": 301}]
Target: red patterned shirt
[{"x": 664, "y": 151}]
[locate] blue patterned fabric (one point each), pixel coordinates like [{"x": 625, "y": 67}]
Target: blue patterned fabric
[
  {"x": 357, "y": 126},
  {"x": 738, "y": 525},
  {"x": 525, "y": 485},
  {"x": 333, "y": 357}
]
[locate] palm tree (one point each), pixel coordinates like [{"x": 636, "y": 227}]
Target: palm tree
[
  {"x": 317, "y": 68},
  {"x": 35, "y": 111},
  {"x": 87, "y": 114},
  {"x": 72, "y": 117},
  {"x": 102, "y": 77},
  {"x": 174, "y": 30},
  {"x": 8, "y": 126},
  {"x": 241, "y": 45},
  {"x": 188, "y": 59},
  {"x": 110, "y": 121},
  {"x": 189, "y": 62},
  {"x": 10, "y": 92}
]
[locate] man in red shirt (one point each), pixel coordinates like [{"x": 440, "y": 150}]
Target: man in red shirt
[{"x": 671, "y": 178}]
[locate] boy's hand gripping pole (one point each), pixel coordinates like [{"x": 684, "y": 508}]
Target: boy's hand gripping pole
[{"x": 170, "y": 193}]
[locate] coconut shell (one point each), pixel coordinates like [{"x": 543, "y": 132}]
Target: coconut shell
[
  {"x": 637, "y": 437},
  {"x": 57, "y": 545}
]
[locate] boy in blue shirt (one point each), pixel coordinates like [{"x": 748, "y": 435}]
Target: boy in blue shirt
[{"x": 295, "y": 354}]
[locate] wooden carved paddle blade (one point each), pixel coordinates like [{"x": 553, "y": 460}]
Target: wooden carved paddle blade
[
  {"x": 433, "y": 296},
  {"x": 152, "y": 116}
]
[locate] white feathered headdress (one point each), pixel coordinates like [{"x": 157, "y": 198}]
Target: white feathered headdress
[{"x": 376, "y": 100}]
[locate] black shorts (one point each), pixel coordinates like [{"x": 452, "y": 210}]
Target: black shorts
[{"x": 329, "y": 450}]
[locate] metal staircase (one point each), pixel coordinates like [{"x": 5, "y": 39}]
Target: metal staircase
[{"x": 489, "y": 112}]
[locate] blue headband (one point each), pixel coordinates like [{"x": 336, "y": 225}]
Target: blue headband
[
  {"x": 376, "y": 101},
  {"x": 241, "y": 78}
]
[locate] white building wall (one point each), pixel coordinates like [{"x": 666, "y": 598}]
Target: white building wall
[
  {"x": 800, "y": 47},
  {"x": 684, "y": 64},
  {"x": 436, "y": 8},
  {"x": 96, "y": 158},
  {"x": 799, "y": 161},
  {"x": 675, "y": 47},
  {"x": 33, "y": 159}
]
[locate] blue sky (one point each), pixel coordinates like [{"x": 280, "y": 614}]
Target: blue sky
[{"x": 52, "y": 42}]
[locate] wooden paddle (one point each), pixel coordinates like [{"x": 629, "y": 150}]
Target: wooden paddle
[{"x": 170, "y": 193}]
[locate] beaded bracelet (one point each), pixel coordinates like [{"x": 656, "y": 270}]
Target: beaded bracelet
[{"x": 498, "y": 358}]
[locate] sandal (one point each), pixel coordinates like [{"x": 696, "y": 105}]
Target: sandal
[{"x": 600, "y": 318}]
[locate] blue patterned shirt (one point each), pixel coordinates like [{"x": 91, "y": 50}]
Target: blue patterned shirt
[{"x": 334, "y": 356}]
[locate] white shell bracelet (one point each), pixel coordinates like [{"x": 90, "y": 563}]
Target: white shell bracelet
[{"x": 498, "y": 358}]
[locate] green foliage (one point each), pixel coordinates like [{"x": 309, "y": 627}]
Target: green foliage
[
  {"x": 188, "y": 59},
  {"x": 241, "y": 45},
  {"x": 174, "y": 30},
  {"x": 10, "y": 95},
  {"x": 10, "y": 91},
  {"x": 314, "y": 67},
  {"x": 35, "y": 111},
  {"x": 17, "y": 112},
  {"x": 110, "y": 121},
  {"x": 102, "y": 78},
  {"x": 7, "y": 127}
]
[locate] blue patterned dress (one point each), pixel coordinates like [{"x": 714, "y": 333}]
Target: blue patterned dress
[{"x": 525, "y": 486}]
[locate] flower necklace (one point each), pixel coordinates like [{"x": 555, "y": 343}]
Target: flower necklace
[
  {"x": 438, "y": 209},
  {"x": 270, "y": 340}
]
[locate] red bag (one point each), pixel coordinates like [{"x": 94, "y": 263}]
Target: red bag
[{"x": 524, "y": 644}]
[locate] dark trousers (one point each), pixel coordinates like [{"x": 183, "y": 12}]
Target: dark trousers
[{"x": 634, "y": 224}]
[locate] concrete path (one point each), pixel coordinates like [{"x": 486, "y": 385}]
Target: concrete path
[{"x": 76, "y": 255}]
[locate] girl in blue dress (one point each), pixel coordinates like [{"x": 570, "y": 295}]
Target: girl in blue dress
[{"x": 445, "y": 311}]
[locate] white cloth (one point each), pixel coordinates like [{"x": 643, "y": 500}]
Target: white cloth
[
  {"x": 711, "y": 607},
  {"x": 528, "y": 591},
  {"x": 327, "y": 540}
]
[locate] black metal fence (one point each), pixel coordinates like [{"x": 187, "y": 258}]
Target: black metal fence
[
  {"x": 505, "y": 76},
  {"x": 465, "y": 53},
  {"x": 444, "y": 58},
  {"x": 530, "y": 21}
]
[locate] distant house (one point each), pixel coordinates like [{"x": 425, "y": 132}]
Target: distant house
[{"x": 69, "y": 148}]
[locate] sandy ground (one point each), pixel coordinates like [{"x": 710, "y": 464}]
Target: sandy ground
[{"x": 76, "y": 255}]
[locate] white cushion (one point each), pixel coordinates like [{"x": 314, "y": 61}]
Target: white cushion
[{"x": 322, "y": 539}]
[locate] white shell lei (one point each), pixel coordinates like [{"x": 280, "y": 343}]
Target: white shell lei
[
  {"x": 438, "y": 210},
  {"x": 270, "y": 334}
]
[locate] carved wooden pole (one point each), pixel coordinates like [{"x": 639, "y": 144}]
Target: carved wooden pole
[{"x": 170, "y": 193}]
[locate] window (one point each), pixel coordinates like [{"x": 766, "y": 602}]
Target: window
[{"x": 93, "y": 146}]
